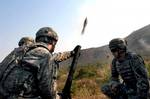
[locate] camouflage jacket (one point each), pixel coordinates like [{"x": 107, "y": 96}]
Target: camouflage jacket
[
  {"x": 132, "y": 70},
  {"x": 45, "y": 64},
  {"x": 38, "y": 59}
]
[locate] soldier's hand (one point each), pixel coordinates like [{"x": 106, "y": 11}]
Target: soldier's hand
[
  {"x": 114, "y": 87},
  {"x": 74, "y": 50}
]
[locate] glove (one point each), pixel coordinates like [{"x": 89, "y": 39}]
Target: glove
[
  {"x": 114, "y": 86},
  {"x": 75, "y": 50}
]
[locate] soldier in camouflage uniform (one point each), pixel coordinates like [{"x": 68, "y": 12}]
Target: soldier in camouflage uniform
[
  {"x": 24, "y": 41},
  {"x": 44, "y": 64},
  {"x": 130, "y": 67}
]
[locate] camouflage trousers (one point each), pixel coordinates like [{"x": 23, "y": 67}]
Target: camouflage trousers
[{"x": 122, "y": 92}]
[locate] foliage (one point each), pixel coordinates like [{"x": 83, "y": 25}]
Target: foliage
[
  {"x": 148, "y": 67},
  {"x": 87, "y": 81}
]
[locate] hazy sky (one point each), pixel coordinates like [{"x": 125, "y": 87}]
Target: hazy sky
[{"x": 107, "y": 19}]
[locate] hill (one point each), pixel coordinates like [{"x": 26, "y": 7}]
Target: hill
[{"x": 138, "y": 41}]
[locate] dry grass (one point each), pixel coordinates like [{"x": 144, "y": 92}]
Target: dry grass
[
  {"x": 87, "y": 81},
  {"x": 101, "y": 96}
]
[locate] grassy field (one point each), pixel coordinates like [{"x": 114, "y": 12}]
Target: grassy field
[{"x": 88, "y": 80}]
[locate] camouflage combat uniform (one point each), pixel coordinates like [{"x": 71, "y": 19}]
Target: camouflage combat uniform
[
  {"x": 38, "y": 60},
  {"x": 134, "y": 75},
  {"x": 46, "y": 65}
]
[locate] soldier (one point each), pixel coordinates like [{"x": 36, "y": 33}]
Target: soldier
[
  {"x": 130, "y": 67},
  {"x": 25, "y": 41},
  {"x": 45, "y": 62},
  {"x": 50, "y": 64}
]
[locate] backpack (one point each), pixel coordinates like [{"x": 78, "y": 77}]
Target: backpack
[
  {"x": 143, "y": 83},
  {"x": 15, "y": 78}
]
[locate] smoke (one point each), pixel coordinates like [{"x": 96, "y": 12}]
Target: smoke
[{"x": 144, "y": 44}]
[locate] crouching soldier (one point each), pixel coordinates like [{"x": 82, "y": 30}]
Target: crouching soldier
[{"x": 130, "y": 67}]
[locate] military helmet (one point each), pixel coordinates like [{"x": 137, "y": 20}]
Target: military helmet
[
  {"x": 118, "y": 43},
  {"x": 47, "y": 32},
  {"x": 25, "y": 41}
]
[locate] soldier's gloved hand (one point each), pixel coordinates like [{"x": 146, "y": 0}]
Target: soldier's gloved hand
[
  {"x": 75, "y": 50},
  {"x": 114, "y": 86}
]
